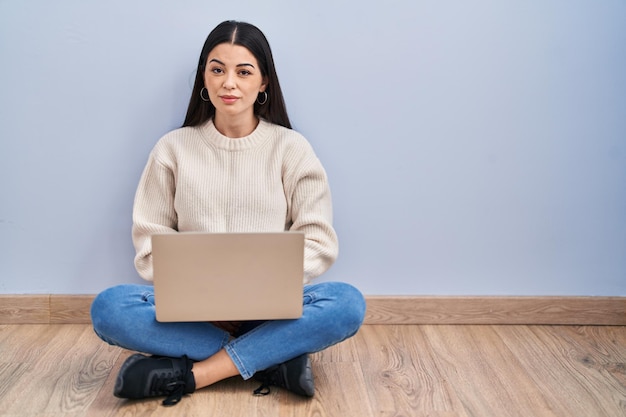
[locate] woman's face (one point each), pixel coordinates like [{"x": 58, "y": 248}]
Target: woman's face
[{"x": 233, "y": 79}]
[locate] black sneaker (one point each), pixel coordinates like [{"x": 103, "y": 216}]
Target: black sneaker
[
  {"x": 294, "y": 375},
  {"x": 143, "y": 376}
]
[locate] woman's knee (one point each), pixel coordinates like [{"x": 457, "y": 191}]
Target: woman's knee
[
  {"x": 110, "y": 307},
  {"x": 352, "y": 303},
  {"x": 106, "y": 302},
  {"x": 347, "y": 307}
]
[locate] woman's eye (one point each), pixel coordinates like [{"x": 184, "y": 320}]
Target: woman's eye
[
  {"x": 244, "y": 72},
  {"x": 216, "y": 70}
]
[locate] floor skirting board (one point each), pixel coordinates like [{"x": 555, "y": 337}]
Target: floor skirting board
[
  {"x": 497, "y": 310},
  {"x": 549, "y": 310}
]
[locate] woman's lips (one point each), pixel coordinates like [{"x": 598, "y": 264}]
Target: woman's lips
[{"x": 229, "y": 99}]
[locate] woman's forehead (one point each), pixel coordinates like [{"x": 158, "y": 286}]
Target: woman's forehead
[{"x": 232, "y": 54}]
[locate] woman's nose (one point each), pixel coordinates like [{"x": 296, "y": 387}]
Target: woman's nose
[{"x": 229, "y": 82}]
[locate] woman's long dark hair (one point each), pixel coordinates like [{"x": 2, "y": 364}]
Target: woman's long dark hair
[{"x": 250, "y": 37}]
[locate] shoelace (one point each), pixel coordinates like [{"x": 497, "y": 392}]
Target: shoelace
[
  {"x": 171, "y": 384},
  {"x": 168, "y": 384},
  {"x": 264, "y": 389},
  {"x": 267, "y": 378},
  {"x": 176, "y": 393}
]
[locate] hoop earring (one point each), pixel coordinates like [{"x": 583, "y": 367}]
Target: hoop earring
[
  {"x": 264, "y": 98},
  {"x": 202, "y": 95}
]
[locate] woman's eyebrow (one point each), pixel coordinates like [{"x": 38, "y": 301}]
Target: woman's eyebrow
[{"x": 245, "y": 64}]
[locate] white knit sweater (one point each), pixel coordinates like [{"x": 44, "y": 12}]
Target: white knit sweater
[{"x": 196, "y": 179}]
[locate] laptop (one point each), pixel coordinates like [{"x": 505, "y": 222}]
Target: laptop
[{"x": 228, "y": 276}]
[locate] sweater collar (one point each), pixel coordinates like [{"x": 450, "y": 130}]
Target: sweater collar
[{"x": 214, "y": 138}]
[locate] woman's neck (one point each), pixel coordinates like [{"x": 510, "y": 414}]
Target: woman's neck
[{"x": 235, "y": 127}]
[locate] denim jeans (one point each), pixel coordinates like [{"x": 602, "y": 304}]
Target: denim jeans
[{"x": 124, "y": 316}]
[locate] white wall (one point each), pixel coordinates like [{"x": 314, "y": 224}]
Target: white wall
[{"x": 474, "y": 147}]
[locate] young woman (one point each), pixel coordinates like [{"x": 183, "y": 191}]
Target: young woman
[{"x": 234, "y": 166}]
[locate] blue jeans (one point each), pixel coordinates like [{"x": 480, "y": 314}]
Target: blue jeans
[{"x": 124, "y": 316}]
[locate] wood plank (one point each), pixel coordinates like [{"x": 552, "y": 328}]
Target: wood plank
[
  {"x": 24, "y": 309},
  {"x": 231, "y": 397},
  {"x": 105, "y": 404},
  {"x": 70, "y": 309},
  {"x": 87, "y": 365},
  {"x": 79, "y": 414},
  {"x": 582, "y": 371},
  {"x": 400, "y": 374},
  {"x": 25, "y": 343},
  {"x": 10, "y": 374},
  {"x": 496, "y": 310},
  {"x": 340, "y": 390},
  {"x": 488, "y": 379},
  {"x": 65, "y": 372}
]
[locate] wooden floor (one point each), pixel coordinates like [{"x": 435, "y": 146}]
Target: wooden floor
[{"x": 385, "y": 370}]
